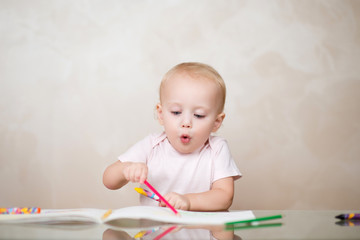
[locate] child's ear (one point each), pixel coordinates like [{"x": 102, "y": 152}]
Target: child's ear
[
  {"x": 218, "y": 121},
  {"x": 160, "y": 113}
]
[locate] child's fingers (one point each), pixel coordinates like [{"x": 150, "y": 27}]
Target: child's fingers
[
  {"x": 176, "y": 200},
  {"x": 143, "y": 177},
  {"x": 126, "y": 173},
  {"x": 141, "y": 174},
  {"x": 130, "y": 173},
  {"x": 169, "y": 197},
  {"x": 136, "y": 172}
]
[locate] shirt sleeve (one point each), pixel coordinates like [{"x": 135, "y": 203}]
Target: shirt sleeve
[
  {"x": 139, "y": 152},
  {"x": 224, "y": 164}
]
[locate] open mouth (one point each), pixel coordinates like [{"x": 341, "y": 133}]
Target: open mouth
[{"x": 185, "y": 138}]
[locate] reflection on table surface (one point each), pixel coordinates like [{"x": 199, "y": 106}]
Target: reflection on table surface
[
  {"x": 172, "y": 232},
  {"x": 293, "y": 225}
]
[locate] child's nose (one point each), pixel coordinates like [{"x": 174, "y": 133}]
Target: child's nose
[
  {"x": 186, "y": 125},
  {"x": 186, "y": 122}
]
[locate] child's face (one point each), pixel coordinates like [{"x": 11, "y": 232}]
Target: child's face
[{"x": 189, "y": 111}]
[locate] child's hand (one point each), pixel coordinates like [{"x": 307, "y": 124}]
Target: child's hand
[
  {"x": 136, "y": 172},
  {"x": 176, "y": 200}
]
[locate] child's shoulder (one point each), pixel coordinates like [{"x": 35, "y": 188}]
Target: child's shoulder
[
  {"x": 217, "y": 142},
  {"x": 155, "y": 138}
]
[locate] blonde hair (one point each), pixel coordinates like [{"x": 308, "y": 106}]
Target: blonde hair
[{"x": 196, "y": 69}]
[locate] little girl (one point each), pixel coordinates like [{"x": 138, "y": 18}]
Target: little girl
[{"x": 191, "y": 168}]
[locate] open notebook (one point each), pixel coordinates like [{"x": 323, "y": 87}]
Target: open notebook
[{"x": 160, "y": 214}]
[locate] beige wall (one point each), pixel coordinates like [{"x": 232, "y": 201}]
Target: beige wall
[{"x": 79, "y": 84}]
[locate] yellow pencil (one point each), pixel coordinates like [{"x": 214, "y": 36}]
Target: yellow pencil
[{"x": 106, "y": 214}]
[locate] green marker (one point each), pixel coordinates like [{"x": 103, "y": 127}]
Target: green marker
[
  {"x": 254, "y": 220},
  {"x": 251, "y": 226}
]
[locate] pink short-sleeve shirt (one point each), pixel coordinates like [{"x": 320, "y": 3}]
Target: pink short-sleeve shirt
[{"x": 171, "y": 171}]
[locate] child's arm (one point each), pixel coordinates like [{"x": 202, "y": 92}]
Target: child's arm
[
  {"x": 218, "y": 198},
  {"x": 120, "y": 173}
]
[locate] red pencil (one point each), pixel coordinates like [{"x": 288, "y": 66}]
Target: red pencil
[{"x": 161, "y": 197}]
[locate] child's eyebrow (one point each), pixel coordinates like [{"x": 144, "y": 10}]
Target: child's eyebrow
[
  {"x": 174, "y": 104},
  {"x": 180, "y": 105}
]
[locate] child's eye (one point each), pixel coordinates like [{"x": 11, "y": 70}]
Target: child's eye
[
  {"x": 199, "y": 116},
  {"x": 176, "y": 112}
]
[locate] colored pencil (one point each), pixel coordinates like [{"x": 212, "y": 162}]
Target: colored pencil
[
  {"x": 350, "y": 216},
  {"x": 108, "y": 212},
  {"x": 147, "y": 194},
  {"x": 17, "y": 210},
  {"x": 251, "y": 226},
  {"x": 254, "y": 220},
  {"x": 161, "y": 197}
]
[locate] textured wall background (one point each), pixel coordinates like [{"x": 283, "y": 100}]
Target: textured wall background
[{"x": 79, "y": 80}]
